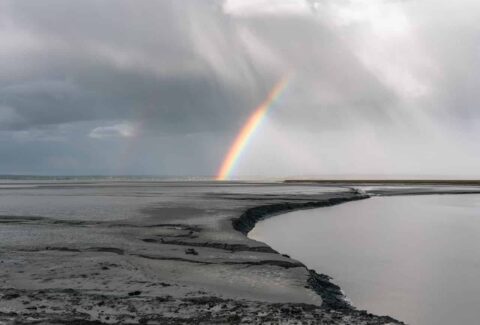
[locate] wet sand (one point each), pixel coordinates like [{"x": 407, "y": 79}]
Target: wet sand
[{"x": 181, "y": 257}]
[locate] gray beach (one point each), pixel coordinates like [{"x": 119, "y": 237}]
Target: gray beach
[{"x": 146, "y": 252}]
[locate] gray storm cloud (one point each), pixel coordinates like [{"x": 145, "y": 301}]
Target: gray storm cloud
[{"x": 377, "y": 87}]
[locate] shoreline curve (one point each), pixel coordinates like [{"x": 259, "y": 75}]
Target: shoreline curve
[{"x": 332, "y": 295}]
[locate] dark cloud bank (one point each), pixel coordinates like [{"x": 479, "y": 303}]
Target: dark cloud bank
[{"x": 162, "y": 87}]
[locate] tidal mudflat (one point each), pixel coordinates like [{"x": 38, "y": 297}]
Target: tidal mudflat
[
  {"x": 412, "y": 257},
  {"x": 160, "y": 253}
]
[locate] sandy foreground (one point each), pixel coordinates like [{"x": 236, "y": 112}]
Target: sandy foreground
[{"x": 183, "y": 258}]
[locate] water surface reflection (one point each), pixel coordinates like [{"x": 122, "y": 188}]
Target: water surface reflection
[{"x": 415, "y": 258}]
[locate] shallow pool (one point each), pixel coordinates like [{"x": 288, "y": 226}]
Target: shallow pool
[{"x": 416, "y": 258}]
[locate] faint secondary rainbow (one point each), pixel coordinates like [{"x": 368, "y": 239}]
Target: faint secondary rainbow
[{"x": 248, "y": 129}]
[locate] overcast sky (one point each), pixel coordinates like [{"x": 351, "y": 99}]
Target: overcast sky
[{"x": 377, "y": 87}]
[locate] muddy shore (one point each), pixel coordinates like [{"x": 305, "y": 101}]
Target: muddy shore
[{"x": 183, "y": 259}]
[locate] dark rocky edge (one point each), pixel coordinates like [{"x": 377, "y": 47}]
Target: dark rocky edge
[
  {"x": 332, "y": 296},
  {"x": 250, "y": 217}
]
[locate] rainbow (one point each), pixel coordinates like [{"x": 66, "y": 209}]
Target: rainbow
[{"x": 248, "y": 129}]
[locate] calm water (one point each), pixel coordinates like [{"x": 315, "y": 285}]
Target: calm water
[{"x": 416, "y": 258}]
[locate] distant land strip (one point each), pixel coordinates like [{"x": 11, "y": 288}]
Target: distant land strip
[{"x": 389, "y": 181}]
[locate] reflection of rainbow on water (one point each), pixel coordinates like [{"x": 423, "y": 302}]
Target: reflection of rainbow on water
[{"x": 248, "y": 129}]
